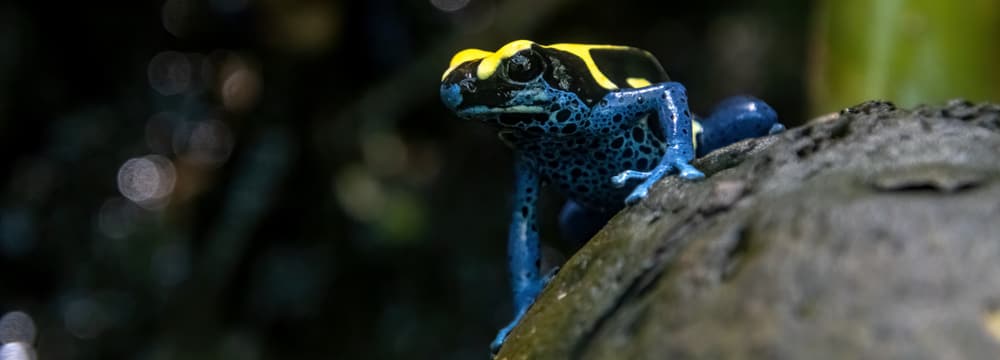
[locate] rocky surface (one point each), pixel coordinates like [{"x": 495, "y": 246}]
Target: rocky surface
[{"x": 874, "y": 233}]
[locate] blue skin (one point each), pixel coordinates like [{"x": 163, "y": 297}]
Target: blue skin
[{"x": 602, "y": 155}]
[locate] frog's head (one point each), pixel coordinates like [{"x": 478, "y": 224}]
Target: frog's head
[{"x": 523, "y": 85}]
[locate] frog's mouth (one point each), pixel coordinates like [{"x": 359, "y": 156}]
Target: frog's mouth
[
  {"x": 501, "y": 110},
  {"x": 518, "y": 116},
  {"x": 492, "y": 101}
]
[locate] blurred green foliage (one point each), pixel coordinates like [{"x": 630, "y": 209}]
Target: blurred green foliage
[{"x": 906, "y": 51}]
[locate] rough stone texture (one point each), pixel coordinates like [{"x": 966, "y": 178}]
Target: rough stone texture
[{"x": 872, "y": 234}]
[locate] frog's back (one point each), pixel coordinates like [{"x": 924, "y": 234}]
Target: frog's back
[
  {"x": 625, "y": 66},
  {"x": 581, "y": 166}
]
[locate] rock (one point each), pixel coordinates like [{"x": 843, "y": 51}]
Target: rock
[{"x": 872, "y": 234}]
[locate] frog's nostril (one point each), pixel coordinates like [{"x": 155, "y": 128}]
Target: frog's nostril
[{"x": 451, "y": 95}]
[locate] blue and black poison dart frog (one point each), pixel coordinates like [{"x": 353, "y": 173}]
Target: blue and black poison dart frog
[{"x": 601, "y": 123}]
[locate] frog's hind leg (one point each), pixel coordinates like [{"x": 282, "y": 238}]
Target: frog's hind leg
[
  {"x": 735, "y": 119},
  {"x": 577, "y": 223}
]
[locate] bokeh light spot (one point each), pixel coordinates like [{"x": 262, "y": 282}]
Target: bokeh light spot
[
  {"x": 403, "y": 220},
  {"x": 207, "y": 142},
  {"x": 240, "y": 85},
  {"x": 147, "y": 181},
  {"x": 17, "y": 326},
  {"x": 306, "y": 27},
  {"x": 170, "y": 73},
  {"x": 449, "y": 5},
  {"x": 359, "y": 193},
  {"x": 17, "y": 351}
]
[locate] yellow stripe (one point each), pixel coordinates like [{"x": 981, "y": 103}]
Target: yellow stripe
[
  {"x": 462, "y": 56},
  {"x": 491, "y": 61},
  {"x": 695, "y": 130},
  {"x": 638, "y": 82},
  {"x": 582, "y": 51}
]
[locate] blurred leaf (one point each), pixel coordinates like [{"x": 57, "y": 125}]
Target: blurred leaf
[{"x": 909, "y": 52}]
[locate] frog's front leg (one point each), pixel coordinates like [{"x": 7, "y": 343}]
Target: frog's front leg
[
  {"x": 669, "y": 100},
  {"x": 523, "y": 248}
]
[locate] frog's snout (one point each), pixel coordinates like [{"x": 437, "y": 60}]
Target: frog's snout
[{"x": 451, "y": 95}]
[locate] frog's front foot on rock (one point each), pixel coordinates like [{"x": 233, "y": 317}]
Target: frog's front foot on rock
[
  {"x": 688, "y": 172},
  {"x": 684, "y": 169}
]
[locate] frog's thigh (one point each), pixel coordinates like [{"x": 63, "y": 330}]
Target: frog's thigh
[
  {"x": 735, "y": 119},
  {"x": 577, "y": 224}
]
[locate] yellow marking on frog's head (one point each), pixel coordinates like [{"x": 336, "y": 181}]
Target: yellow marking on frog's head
[
  {"x": 491, "y": 60},
  {"x": 582, "y": 51},
  {"x": 463, "y": 56},
  {"x": 637, "y": 82}
]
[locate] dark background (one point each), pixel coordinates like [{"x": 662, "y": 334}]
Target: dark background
[{"x": 278, "y": 179}]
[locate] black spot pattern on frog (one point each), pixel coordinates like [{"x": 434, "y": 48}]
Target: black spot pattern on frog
[
  {"x": 578, "y": 149},
  {"x": 581, "y": 167},
  {"x": 638, "y": 134},
  {"x": 654, "y": 127},
  {"x": 563, "y": 115}
]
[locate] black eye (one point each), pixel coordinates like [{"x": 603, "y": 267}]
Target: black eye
[{"x": 524, "y": 66}]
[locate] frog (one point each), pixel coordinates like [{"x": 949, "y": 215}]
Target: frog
[{"x": 600, "y": 123}]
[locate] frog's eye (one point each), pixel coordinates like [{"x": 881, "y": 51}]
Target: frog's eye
[{"x": 525, "y": 66}]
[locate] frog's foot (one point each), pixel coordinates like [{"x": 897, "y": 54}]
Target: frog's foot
[
  {"x": 684, "y": 169},
  {"x": 549, "y": 275},
  {"x": 620, "y": 179},
  {"x": 689, "y": 172},
  {"x": 502, "y": 334},
  {"x": 776, "y": 128}
]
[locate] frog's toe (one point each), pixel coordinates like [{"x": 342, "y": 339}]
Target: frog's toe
[
  {"x": 549, "y": 275},
  {"x": 689, "y": 172},
  {"x": 776, "y": 128},
  {"x": 498, "y": 342},
  {"x": 637, "y": 195},
  {"x": 623, "y": 178},
  {"x": 502, "y": 334}
]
